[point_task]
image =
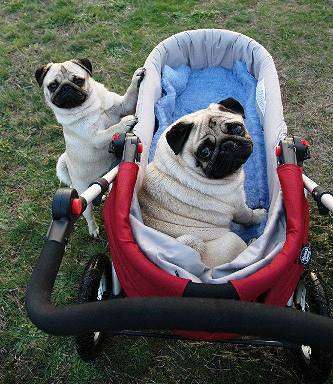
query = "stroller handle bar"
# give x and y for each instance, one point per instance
(166, 313)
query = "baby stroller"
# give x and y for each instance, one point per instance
(272, 298)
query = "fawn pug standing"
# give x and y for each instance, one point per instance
(90, 115)
(194, 187)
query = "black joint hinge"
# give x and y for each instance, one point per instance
(63, 218)
(62, 203)
(103, 183)
(302, 149)
(117, 145)
(292, 150)
(317, 194)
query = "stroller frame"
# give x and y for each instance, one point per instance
(153, 313)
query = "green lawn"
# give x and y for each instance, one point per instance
(117, 36)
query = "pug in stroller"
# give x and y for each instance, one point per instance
(194, 187)
(90, 116)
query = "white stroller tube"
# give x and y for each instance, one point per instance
(326, 199)
(93, 191)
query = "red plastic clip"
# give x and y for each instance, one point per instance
(140, 148)
(76, 207)
(115, 137)
(278, 151)
(305, 142)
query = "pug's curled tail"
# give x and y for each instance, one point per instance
(62, 170)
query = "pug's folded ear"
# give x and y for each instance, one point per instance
(231, 105)
(85, 64)
(41, 73)
(178, 134)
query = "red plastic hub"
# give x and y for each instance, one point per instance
(140, 148)
(305, 142)
(278, 151)
(115, 137)
(76, 207)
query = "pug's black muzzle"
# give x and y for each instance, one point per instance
(68, 95)
(228, 158)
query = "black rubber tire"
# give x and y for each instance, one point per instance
(316, 368)
(87, 346)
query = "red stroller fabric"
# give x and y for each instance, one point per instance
(137, 275)
(273, 284)
(279, 279)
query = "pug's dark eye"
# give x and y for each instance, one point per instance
(78, 81)
(236, 129)
(205, 153)
(212, 123)
(53, 86)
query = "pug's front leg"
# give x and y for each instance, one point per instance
(193, 242)
(138, 76)
(103, 137)
(223, 250)
(81, 185)
(92, 225)
(127, 104)
(247, 216)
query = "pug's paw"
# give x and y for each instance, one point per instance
(193, 242)
(258, 215)
(138, 76)
(129, 122)
(93, 230)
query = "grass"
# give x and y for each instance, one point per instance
(117, 36)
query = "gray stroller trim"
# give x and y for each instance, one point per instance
(201, 49)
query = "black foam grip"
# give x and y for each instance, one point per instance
(43, 277)
(167, 313)
(103, 183)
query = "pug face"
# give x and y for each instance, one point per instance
(214, 142)
(66, 85)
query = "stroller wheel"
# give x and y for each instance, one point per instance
(310, 295)
(96, 285)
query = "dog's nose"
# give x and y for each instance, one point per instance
(66, 88)
(69, 97)
(229, 146)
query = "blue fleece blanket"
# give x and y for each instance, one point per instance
(187, 90)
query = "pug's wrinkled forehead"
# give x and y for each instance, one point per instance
(216, 120)
(218, 110)
(65, 71)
